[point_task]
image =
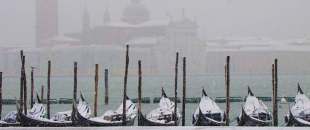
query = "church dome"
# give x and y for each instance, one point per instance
(135, 13)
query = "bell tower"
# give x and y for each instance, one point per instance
(46, 21)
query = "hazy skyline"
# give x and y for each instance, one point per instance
(277, 19)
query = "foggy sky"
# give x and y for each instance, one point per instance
(277, 19)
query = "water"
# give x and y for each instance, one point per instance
(214, 85)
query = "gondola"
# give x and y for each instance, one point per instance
(208, 113)
(37, 116)
(254, 112)
(10, 119)
(299, 113)
(109, 118)
(163, 115)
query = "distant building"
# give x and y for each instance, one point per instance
(134, 23)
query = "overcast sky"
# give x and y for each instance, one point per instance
(277, 19)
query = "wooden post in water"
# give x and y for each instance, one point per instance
(273, 98)
(74, 86)
(125, 85)
(139, 92)
(75, 81)
(275, 94)
(21, 90)
(0, 94)
(48, 88)
(176, 89)
(106, 86)
(227, 90)
(24, 84)
(42, 92)
(32, 89)
(96, 89)
(184, 91)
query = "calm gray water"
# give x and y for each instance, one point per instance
(214, 85)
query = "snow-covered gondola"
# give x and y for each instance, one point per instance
(10, 120)
(254, 112)
(109, 118)
(163, 115)
(208, 113)
(37, 116)
(299, 113)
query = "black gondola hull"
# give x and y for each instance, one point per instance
(82, 121)
(145, 122)
(246, 120)
(292, 121)
(201, 120)
(5, 124)
(31, 122)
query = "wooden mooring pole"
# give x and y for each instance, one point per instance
(106, 86)
(24, 85)
(184, 91)
(0, 94)
(275, 94)
(42, 92)
(75, 81)
(176, 89)
(125, 86)
(96, 89)
(227, 83)
(48, 89)
(21, 90)
(32, 88)
(139, 92)
(74, 88)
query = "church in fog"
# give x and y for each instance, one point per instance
(134, 24)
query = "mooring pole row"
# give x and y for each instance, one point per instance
(23, 88)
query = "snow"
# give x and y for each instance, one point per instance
(207, 105)
(253, 106)
(130, 113)
(10, 117)
(37, 111)
(301, 106)
(166, 107)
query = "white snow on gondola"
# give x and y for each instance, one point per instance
(253, 106)
(84, 109)
(37, 111)
(299, 113)
(10, 117)
(207, 105)
(107, 117)
(301, 106)
(62, 116)
(166, 107)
